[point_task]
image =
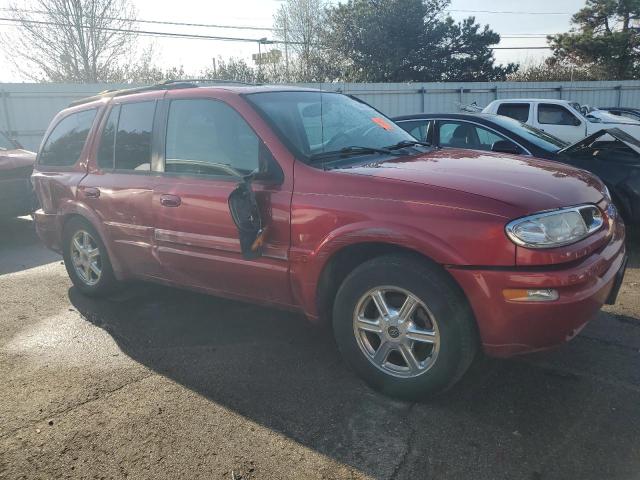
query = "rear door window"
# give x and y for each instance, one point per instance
(467, 135)
(550, 114)
(208, 137)
(133, 136)
(517, 111)
(65, 143)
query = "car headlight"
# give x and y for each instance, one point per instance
(555, 228)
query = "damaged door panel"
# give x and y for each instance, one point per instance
(231, 221)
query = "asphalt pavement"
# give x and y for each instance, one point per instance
(159, 383)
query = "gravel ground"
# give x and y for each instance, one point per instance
(159, 383)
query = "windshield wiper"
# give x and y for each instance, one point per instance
(407, 143)
(352, 150)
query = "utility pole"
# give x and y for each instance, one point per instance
(286, 48)
(286, 40)
(260, 42)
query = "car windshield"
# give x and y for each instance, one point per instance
(5, 143)
(593, 115)
(539, 138)
(315, 124)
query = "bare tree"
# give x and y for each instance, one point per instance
(70, 40)
(299, 24)
(144, 70)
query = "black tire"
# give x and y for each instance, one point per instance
(443, 299)
(106, 283)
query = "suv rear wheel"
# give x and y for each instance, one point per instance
(86, 259)
(404, 326)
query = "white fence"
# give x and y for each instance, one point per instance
(26, 109)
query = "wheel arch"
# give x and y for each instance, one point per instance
(346, 259)
(77, 210)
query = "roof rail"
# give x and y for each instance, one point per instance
(166, 85)
(208, 80)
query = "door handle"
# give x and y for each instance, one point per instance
(170, 200)
(91, 192)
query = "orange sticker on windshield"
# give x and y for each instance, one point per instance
(382, 122)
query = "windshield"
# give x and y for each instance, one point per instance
(539, 138)
(315, 123)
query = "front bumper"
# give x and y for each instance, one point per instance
(510, 327)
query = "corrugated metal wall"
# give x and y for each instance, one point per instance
(27, 109)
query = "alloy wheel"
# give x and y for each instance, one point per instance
(86, 257)
(396, 331)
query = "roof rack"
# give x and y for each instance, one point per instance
(166, 85)
(208, 80)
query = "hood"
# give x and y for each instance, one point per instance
(609, 118)
(529, 184)
(616, 133)
(15, 159)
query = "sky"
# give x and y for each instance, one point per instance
(542, 17)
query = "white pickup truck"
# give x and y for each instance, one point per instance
(566, 120)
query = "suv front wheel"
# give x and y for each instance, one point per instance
(404, 326)
(86, 258)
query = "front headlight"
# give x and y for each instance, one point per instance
(555, 228)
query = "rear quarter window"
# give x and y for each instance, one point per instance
(65, 142)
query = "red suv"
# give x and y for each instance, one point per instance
(316, 202)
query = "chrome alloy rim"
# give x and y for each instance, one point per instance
(396, 331)
(86, 258)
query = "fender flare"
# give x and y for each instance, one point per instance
(398, 235)
(307, 267)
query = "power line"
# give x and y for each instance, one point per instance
(519, 48)
(271, 29)
(158, 22)
(193, 36)
(128, 31)
(510, 12)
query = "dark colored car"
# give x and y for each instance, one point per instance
(632, 113)
(611, 154)
(315, 202)
(16, 193)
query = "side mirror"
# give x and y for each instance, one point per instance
(246, 215)
(505, 146)
(268, 170)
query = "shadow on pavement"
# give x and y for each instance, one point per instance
(507, 419)
(20, 246)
